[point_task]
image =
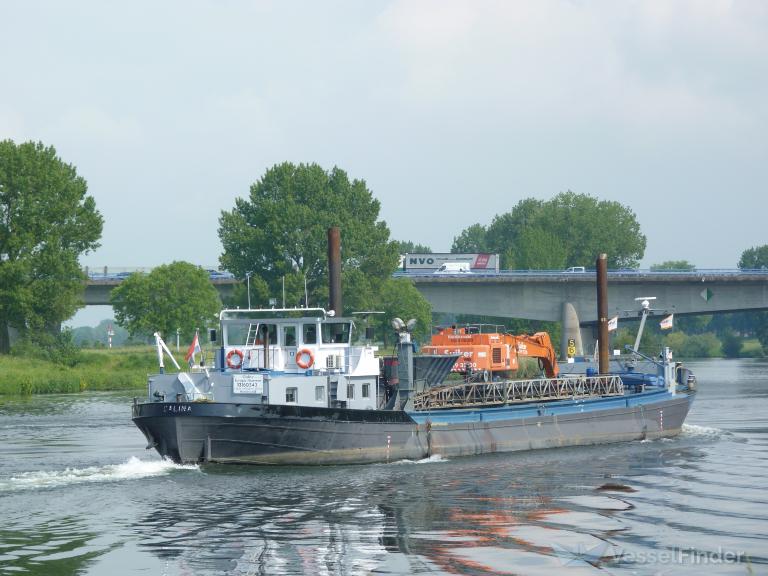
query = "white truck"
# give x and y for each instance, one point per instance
(454, 268)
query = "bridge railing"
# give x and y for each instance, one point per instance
(117, 273)
(734, 272)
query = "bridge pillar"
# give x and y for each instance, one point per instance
(570, 331)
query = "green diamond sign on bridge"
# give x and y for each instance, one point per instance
(706, 294)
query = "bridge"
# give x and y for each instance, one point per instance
(571, 298)
(567, 297)
(99, 284)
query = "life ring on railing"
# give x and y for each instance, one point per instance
(304, 358)
(235, 359)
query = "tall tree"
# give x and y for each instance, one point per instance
(46, 222)
(408, 247)
(398, 297)
(470, 241)
(281, 230)
(568, 230)
(174, 296)
(537, 248)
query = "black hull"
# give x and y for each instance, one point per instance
(254, 434)
(291, 435)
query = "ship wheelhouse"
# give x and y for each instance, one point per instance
(288, 341)
(286, 357)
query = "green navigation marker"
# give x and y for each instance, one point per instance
(706, 294)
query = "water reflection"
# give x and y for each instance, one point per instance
(584, 510)
(60, 547)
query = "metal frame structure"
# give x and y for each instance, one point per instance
(470, 394)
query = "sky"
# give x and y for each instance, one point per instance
(451, 112)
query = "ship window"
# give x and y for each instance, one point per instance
(350, 391)
(235, 334)
(309, 334)
(289, 335)
(366, 390)
(336, 333)
(320, 393)
(257, 333)
(291, 395)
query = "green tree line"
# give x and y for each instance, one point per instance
(274, 239)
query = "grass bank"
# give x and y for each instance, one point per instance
(116, 369)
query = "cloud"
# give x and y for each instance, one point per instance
(556, 63)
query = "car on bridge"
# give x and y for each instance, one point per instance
(220, 275)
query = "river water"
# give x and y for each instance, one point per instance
(79, 494)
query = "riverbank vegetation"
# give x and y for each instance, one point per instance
(29, 371)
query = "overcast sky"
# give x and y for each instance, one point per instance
(450, 111)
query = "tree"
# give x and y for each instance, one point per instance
(568, 230)
(673, 265)
(398, 297)
(731, 345)
(537, 248)
(281, 230)
(176, 295)
(408, 247)
(754, 258)
(46, 222)
(97, 335)
(472, 240)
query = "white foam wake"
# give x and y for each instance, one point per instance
(130, 470)
(696, 430)
(430, 460)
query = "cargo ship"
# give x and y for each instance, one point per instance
(300, 386)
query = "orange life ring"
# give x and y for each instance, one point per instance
(239, 363)
(301, 362)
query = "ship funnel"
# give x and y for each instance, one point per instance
(334, 270)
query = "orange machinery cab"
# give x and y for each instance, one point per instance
(479, 351)
(492, 351)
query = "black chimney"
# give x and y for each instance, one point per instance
(334, 270)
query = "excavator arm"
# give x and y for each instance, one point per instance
(538, 346)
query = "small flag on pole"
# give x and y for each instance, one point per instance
(667, 322)
(194, 348)
(613, 323)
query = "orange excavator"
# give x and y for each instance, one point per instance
(492, 352)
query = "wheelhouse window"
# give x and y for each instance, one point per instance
(309, 334)
(249, 334)
(366, 390)
(260, 333)
(320, 393)
(336, 332)
(235, 334)
(291, 395)
(350, 391)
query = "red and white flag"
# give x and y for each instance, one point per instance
(667, 322)
(194, 348)
(613, 324)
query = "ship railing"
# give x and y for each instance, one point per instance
(470, 394)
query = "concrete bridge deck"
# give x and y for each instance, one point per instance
(540, 295)
(98, 289)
